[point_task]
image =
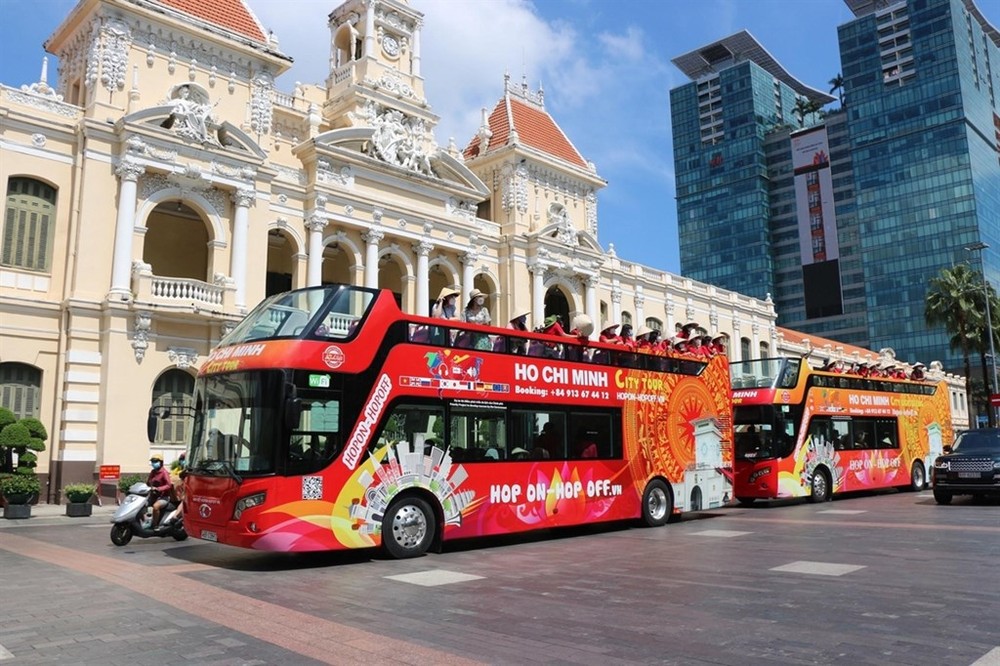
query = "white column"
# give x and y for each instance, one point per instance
(640, 300)
(755, 341)
(537, 294)
(314, 262)
(121, 270)
(616, 305)
(243, 198)
(369, 50)
(423, 248)
(415, 51)
(668, 320)
(372, 238)
(590, 291)
(469, 260)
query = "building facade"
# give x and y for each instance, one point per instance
(164, 184)
(846, 219)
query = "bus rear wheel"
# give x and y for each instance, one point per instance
(918, 479)
(657, 506)
(820, 486)
(408, 528)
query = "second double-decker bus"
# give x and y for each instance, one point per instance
(802, 432)
(328, 419)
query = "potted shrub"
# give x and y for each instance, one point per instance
(17, 491)
(126, 481)
(78, 499)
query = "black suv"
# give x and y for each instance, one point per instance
(971, 467)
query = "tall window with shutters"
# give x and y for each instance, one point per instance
(20, 389)
(174, 390)
(29, 225)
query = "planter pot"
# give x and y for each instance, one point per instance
(17, 511)
(79, 509)
(18, 498)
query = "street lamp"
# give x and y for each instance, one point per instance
(979, 247)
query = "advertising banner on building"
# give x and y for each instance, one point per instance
(814, 196)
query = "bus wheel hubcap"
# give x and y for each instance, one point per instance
(657, 504)
(409, 526)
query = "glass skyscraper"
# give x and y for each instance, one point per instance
(844, 221)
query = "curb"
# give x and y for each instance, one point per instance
(48, 515)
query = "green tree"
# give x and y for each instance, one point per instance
(951, 302)
(802, 108)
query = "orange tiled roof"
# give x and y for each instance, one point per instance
(535, 128)
(819, 343)
(233, 15)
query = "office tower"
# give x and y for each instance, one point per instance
(844, 220)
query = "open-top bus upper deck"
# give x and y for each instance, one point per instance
(326, 406)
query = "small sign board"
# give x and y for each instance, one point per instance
(108, 474)
(995, 399)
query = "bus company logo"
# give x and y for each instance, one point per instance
(204, 511)
(333, 356)
(371, 413)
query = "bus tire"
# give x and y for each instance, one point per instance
(657, 504)
(746, 501)
(918, 479)
(408, 527)
(820, 487)
(942, 496)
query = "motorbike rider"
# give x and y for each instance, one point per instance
(159, 481)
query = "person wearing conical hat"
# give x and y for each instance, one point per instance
(917, 373)
(445, 307)
(519, 322)
(608, 333)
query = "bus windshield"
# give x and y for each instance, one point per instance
(330, 312)
(237, 423)
(765, 431)
(765, 373)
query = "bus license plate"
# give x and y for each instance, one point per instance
(968, 475)
(209, 536)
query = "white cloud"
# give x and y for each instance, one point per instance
(627, 46)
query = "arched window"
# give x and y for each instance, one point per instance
(764, 349)
(29, 224)
(654, 323)
(20, 389)
(174, 390)
(626, 318)
(744, 349)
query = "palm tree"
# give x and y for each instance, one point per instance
(837, 86)
(802, 108)
(951, 302)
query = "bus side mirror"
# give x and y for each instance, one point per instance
(152, 419)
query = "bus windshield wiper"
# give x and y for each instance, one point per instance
(228, 469)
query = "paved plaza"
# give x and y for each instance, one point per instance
(877, 579)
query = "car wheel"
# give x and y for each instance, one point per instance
(820, 487)
(942, 496)
(918, 478)
(408, 528)
(656, 504)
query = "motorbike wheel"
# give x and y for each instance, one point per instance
(121, 534)
(179, 534)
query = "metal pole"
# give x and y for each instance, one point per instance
(980, 247)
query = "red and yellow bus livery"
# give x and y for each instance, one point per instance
(801, 432)
(328, 419)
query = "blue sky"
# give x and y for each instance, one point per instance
(604, 65)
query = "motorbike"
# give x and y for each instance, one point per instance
(132, 519)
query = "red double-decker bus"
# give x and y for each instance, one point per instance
(328, 419)
(802, 432)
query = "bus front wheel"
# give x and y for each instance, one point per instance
(408, 528)
(746, 501)
(656, 504)
(918, 479)
(820, 486)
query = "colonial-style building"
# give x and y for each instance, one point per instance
(164, 185)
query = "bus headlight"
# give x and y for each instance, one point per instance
(248, 502)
